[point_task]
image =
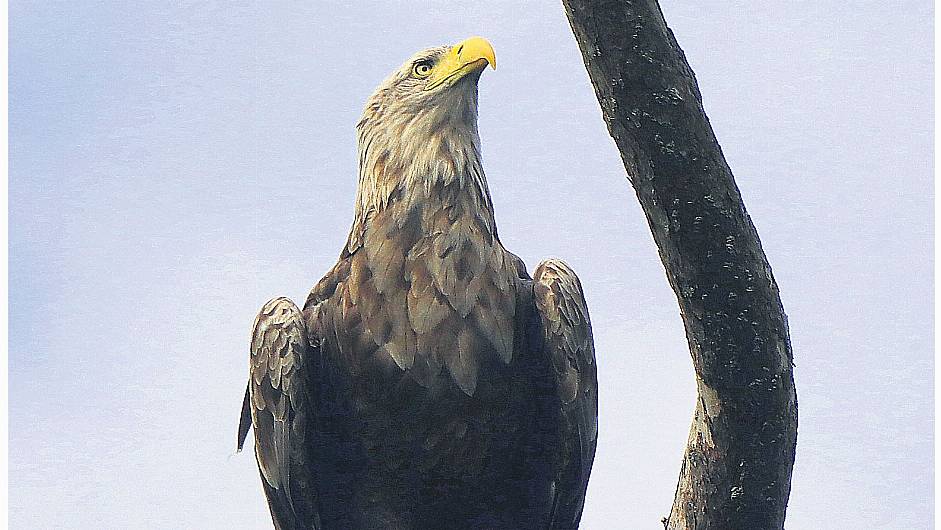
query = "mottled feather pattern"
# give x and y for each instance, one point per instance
(437, 286)
(278, 409)
(560, 301)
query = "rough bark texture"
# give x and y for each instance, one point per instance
(736, 472)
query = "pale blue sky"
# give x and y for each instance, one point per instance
(174, 165)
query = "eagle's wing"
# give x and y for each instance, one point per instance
(276, 405)
(568, 341)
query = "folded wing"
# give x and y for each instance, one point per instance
(568, 341)
(276, 406)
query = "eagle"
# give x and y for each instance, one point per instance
(428, 381)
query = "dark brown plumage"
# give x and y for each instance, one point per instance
(428, 380)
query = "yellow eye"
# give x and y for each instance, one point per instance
(422, 68)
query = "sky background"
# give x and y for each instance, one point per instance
(173, 165)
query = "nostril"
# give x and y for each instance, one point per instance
(459, 48)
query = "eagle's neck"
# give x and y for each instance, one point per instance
(424, 160)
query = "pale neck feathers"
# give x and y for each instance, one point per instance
(409, 144)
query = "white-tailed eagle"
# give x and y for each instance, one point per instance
(428, 382)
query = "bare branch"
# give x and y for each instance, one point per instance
(736, 472)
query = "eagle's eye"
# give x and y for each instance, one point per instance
(422, 68)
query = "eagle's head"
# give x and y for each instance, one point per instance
(420, 124)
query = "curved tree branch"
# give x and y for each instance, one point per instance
(736, 472)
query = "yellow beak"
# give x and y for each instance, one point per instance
(471, 55)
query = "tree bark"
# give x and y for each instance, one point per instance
(736, 472)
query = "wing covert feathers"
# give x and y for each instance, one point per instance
(276, 403)
(568, 340)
